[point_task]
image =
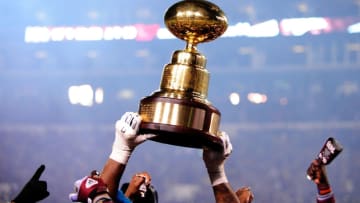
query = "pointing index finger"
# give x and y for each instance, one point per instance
(38, 172)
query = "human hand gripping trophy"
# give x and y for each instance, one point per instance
(179, 112)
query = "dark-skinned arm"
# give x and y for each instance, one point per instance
(126, 140)
(214, 161)
(111, 175)
(225, 194)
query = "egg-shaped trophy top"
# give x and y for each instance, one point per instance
(195, 21)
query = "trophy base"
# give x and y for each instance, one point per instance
(179, 136)
(181, 122)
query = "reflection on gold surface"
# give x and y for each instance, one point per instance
(179, 110)
(195, 21)
(175, 114)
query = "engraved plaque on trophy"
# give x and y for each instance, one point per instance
(179, 112)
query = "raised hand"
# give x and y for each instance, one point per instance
(215, 160)
(127, 137)
(34, 190)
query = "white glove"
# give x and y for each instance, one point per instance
(126, 137)
(215, 160)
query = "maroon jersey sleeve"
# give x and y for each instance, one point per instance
(327, 198)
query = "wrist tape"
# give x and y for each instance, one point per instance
(120, 156)
(217, 177)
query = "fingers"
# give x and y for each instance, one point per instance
(148, 136)
(95, 173)
(128, 124)
(131, 119)
(316, 172)
(42, 187)
(145, 177)
(138, 184)
(245, 194)
(308, 177)
(226, 143)
(311, 171)
(77, 183)
(73, 197)
(144, 137)
(38, 173)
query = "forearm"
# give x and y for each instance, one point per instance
(111, 175)
(225, 194)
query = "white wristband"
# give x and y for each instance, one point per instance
(218, 178)
(120, 156)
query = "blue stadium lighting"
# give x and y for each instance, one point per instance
(148, 32)
(354, 28)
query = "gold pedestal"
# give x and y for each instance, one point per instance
(179, 111)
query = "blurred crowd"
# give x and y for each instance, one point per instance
(262, 160)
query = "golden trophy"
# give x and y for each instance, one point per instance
(179, 112)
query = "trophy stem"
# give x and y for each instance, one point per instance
(190, 47)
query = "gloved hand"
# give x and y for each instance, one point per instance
(126, 137)
(317, 173)
(34, 190)
(90, 189)
(215, 160)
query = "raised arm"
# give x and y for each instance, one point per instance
(126, 140)
(214, 162)
(317, 173)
